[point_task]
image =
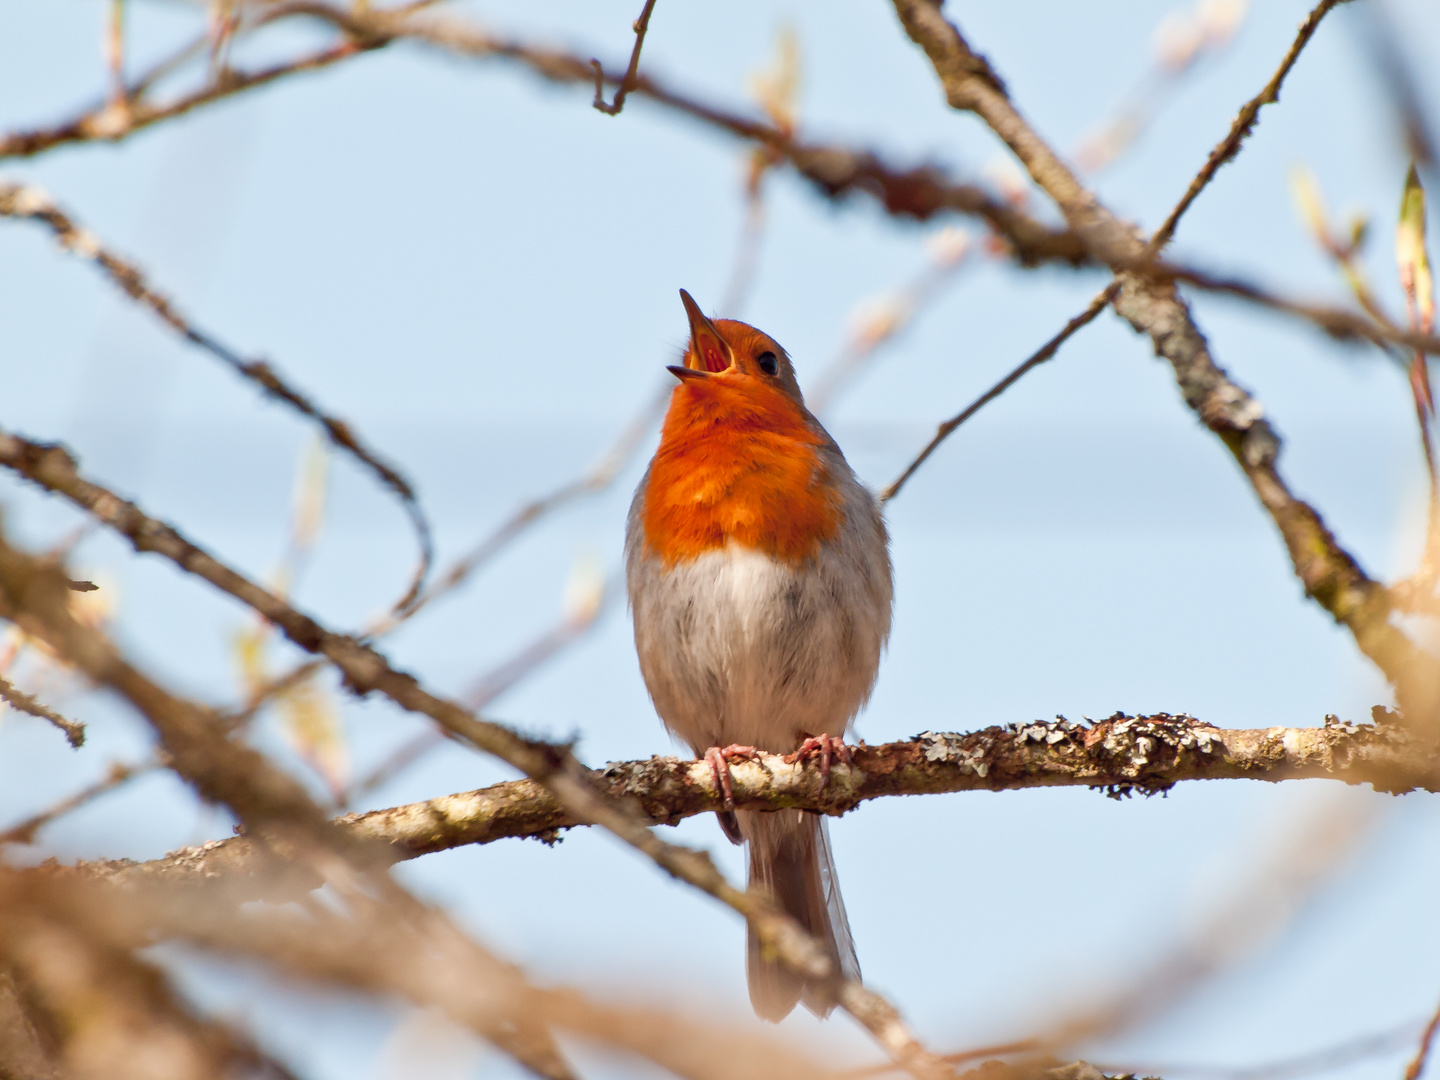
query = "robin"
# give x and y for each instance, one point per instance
(759, 577)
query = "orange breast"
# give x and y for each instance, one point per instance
(738, 463)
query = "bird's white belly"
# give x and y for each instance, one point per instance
(739, 647)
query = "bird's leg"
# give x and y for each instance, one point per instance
(719, 758)
(827, 746)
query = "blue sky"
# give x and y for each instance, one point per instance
(480, 272)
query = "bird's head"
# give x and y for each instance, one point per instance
(730, 360)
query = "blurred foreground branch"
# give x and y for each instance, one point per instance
(27, 202)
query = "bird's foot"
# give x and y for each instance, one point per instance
(827, 747)
(719, 758)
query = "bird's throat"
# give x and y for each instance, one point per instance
(748, 473)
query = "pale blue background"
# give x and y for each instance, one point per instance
(480, 272)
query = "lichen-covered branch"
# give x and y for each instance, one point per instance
(1119, 756)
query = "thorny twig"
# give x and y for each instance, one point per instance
(642, 24)
(27, 202)
(18, 699)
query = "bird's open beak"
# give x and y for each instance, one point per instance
(708, 351)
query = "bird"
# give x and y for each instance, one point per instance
(760, 585)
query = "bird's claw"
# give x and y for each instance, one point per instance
(719, 758)
(827, 746)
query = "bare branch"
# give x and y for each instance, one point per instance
(18, 699)
(1329, 573)
(364, 671)
(26, 202)
(921, 192)
(24, 832)
(107, 124)
(1044, 353)
(1120, 756)
(627, 83)
(1417, 1064)
(1340, 323)
(1244, 123)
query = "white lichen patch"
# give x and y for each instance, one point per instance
(951, 748)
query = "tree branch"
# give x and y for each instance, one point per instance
(1328, 572)
(1120, 756)
(836, 171)
(364, 670)
(28, 203)
(642, 24)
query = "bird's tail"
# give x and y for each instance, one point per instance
(790, 857)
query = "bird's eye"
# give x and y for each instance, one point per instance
(769, 362)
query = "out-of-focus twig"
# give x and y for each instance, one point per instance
(642, 24)
(1181, 39)
(599, 477)
(1328, 1059)
(105, 124)
(18, 699)
(271, 805)
(115, 51)
(1417, 1064)
(877, 323)
(24, 832)
(27, 202)
(581, 612)
(1412, 259)
(1295, 866)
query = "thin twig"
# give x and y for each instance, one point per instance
(835, 171)
(103, 124)
(1340, 323)
(1330, 574)
(30, 203)
(641, 25)
(24, 832)
(1044, 353)
(482, 693)
(1226, 149)
(18, 699)
(1223, 152)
